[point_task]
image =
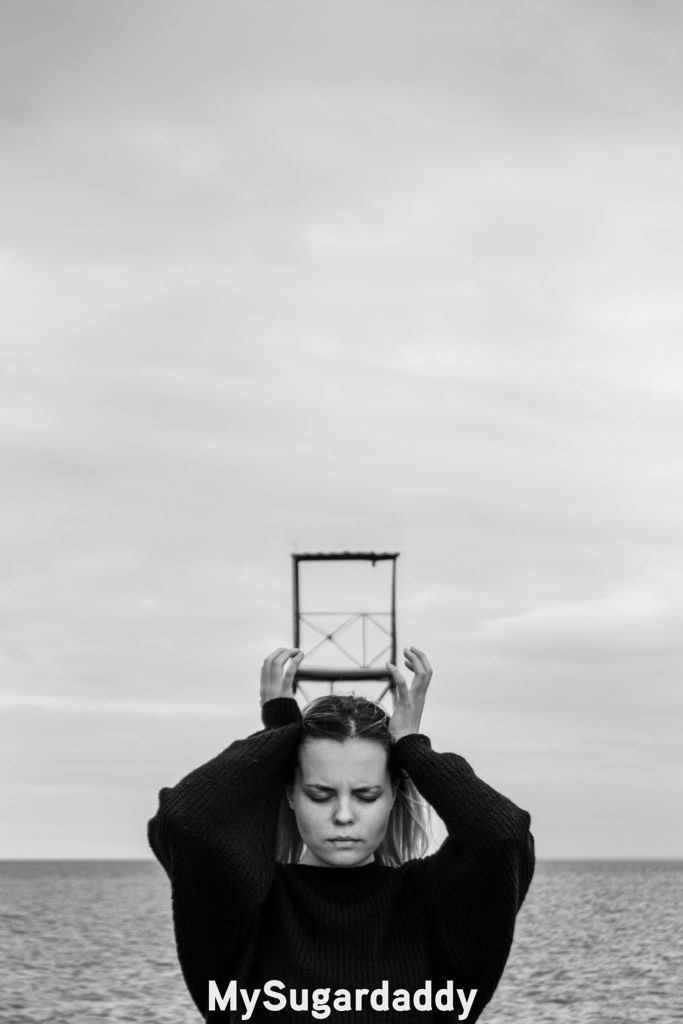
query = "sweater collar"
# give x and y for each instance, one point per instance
(335, 879)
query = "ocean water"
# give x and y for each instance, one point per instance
(598, 942)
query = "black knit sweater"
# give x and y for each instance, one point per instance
(238, 914)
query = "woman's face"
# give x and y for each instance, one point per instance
(342, 798)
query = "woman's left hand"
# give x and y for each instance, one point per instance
(410, 700)
(275, 680)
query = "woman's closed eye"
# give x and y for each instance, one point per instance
(321, 796)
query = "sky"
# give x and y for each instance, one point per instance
(313, 277)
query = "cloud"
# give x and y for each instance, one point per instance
(623, 625)
(108, 706)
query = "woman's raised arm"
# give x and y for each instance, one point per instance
(215, 834)
(476, 882)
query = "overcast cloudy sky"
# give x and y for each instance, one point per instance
(310, 275)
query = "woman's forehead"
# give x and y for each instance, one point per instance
(356, 761)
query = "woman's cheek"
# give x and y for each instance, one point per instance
(312, 819)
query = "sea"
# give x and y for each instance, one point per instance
(597, 942)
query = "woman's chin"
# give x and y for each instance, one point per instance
(338, 857)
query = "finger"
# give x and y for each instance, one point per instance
(284, 653)
(422, 659)
(411, 659)
(269, 659)
(413, 663)
(400, 685)
(267, 666)
(294, 663)
(280, 659)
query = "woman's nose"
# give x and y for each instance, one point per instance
(343, 813)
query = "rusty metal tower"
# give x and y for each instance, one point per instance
(368, 636)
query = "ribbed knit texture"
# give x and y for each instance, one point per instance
(240, 915)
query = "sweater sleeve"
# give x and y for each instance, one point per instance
(477, 880)
(215, 833)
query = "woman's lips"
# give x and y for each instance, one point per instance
(343, 840)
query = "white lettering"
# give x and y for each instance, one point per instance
(360, 992)
(270, 989)
(466, 1003)
(443, 1000)
(342, 999)
(379, 997)
(401, 1000)
(249, 1004)
(321, 997)
(215, 996)
(422, 1000)
(304, 999)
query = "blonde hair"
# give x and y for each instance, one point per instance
(344, 717)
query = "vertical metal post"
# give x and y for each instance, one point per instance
(393, 611)
(295, 600)
(363, 621)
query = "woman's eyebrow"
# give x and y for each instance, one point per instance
(330, 789)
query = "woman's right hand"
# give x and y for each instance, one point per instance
(409, 700)
(275, 681)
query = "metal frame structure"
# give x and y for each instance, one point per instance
(364, 670)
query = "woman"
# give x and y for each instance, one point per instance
(342, 927)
